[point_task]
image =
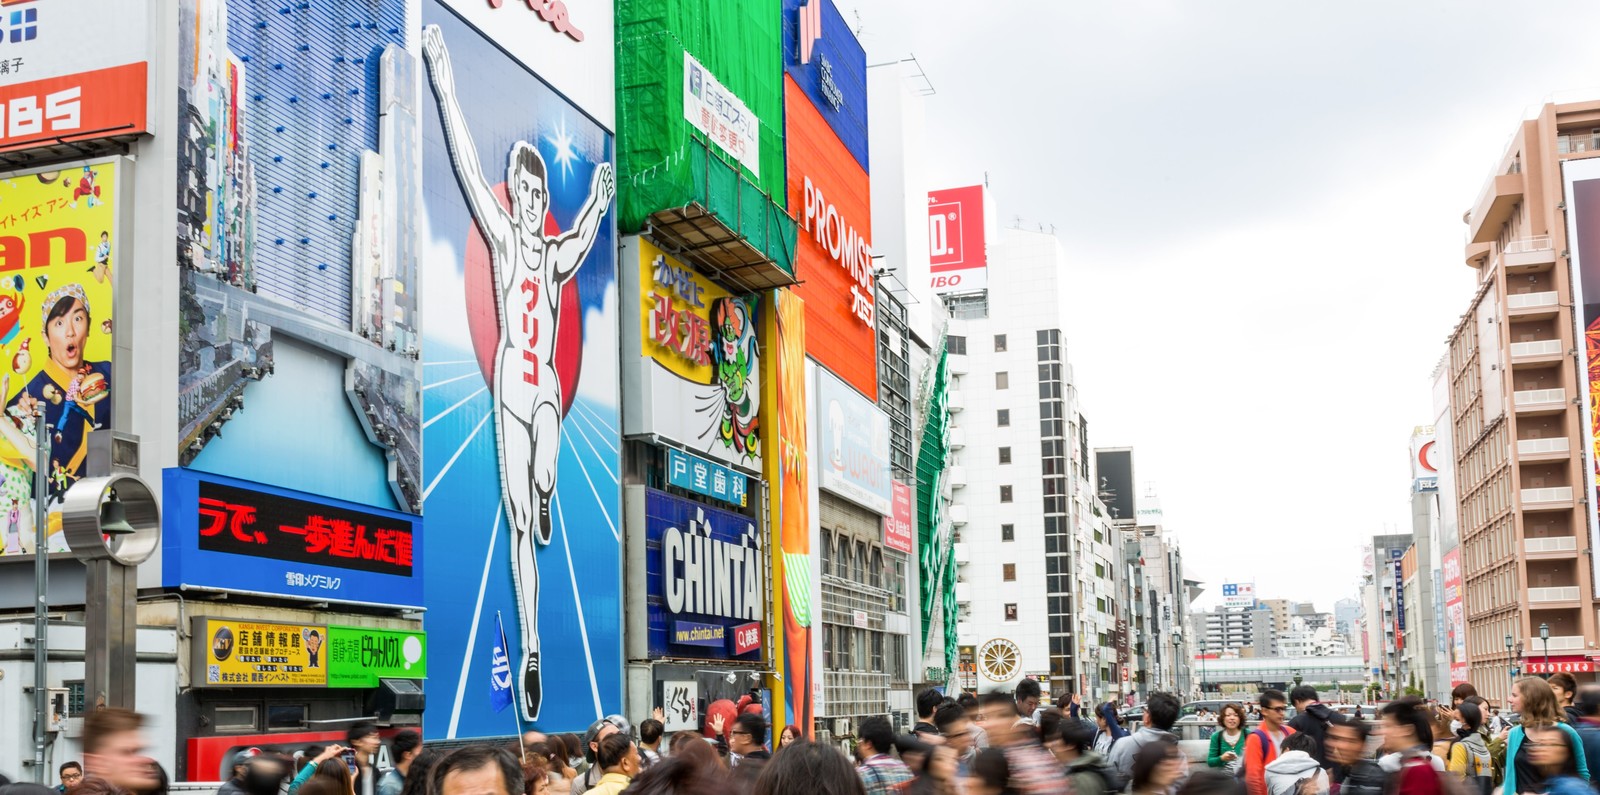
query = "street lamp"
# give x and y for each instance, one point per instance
(1177, 654)
(1544, 635)
(1202, 667)
(1511, 677)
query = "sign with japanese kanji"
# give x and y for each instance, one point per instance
(232, 535)
(360, 656)
(258, 654)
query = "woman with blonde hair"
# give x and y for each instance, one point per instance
(1533, 698)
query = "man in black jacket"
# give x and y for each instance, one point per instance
(928, 702)
(1311, 719)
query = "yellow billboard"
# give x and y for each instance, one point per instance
(58, 250)
(255, 653)
(675, 318)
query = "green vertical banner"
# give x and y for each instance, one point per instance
(360, 656)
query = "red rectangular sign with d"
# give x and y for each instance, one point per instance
(957, 244)
(897, 525)
(747, 637)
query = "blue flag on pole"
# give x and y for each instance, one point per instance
(500, 669)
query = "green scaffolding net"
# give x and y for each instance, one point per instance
(663, 161)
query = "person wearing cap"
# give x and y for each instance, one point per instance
(597, 731)
(235, 783)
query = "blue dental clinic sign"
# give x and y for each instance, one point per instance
(824, 58)
(706, 575)
(706, 478)
(233, 535)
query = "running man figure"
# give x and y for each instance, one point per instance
(530, 269)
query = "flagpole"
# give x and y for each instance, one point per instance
(516, 706)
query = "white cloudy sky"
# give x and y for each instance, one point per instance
(1262, 205)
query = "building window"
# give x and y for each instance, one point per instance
(1008, 572)
(1005, 494)
(1005, 455)
(1002, 380)
(1002, 418)
(1011, 611)
(999, 343)
(1008, 532)
(956, 344)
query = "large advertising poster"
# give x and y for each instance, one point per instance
(830, 197)
(854, 434)
(298, 187)
(706, 581)
(1424, 461)
(696, 378)
(58, 244)
(958, 254)
(1455, 617)
(520, 400)
(1583, 243)
(795, 591)
(73, 71)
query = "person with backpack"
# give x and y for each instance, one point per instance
(1227, 742)
(1160, 713)
(1296, 771)
(1261, 746)
(1311, 717)
(1086, 769)
(1407, 734)
(1468, 756)
(1533, 698)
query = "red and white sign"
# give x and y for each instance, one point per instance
(747, 637)
(1559, 665)
(76, 107)
(957, 244)
(897, 525)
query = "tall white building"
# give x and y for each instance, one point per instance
(1037, 563)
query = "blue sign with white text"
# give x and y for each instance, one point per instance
(824, 58)
(234, 535)
(706, 478)
(706, 581)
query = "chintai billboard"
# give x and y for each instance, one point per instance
(520, 395)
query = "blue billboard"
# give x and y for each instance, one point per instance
(234, 535)
(706, 581)
(520, 392)
(826, 60)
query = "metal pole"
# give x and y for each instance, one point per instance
(41, 569)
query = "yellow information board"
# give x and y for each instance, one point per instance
(257, 654)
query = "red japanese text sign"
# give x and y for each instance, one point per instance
(76, 107)
(260, 524)
(897, 525)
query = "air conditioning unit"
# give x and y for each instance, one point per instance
(841, 727)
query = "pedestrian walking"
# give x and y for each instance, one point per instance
(1311, 718)
(1467, 754)
(1565, 689)
(1109, 728)
(1160, 713)
(1261, 747)
(1588, 726)
(804, 768)
(1533, 698)
(1351, 773)
(1227, 742)
(403, 750)
(1295, 771)
(1549, 752)
(618, 762)
(1407, 736)
(1158, 767)
(880, 773)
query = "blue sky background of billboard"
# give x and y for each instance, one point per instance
(834, 77)
(266, 223)
(184, 563)
(580, 594)
(663, 512)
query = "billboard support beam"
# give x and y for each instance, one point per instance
(41, 571)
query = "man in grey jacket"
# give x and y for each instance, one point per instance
(1160, 713)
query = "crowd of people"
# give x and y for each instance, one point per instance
(994, 744)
